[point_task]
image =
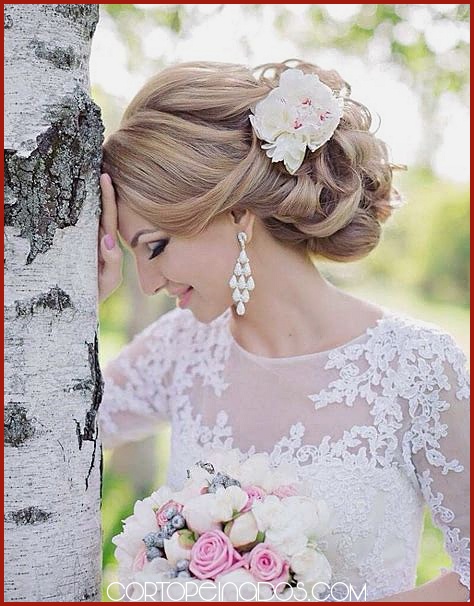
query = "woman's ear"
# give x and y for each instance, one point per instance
(243, 220)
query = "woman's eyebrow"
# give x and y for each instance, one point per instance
(139, 233)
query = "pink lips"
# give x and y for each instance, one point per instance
(184, 298)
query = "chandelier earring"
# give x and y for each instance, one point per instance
(242, 282)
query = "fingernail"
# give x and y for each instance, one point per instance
(109, 242)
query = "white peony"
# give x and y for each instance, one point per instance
(243, 530)
(242, 586)
(143, 584)
(135, 527)
(225, 460)
(200, 515)
(229, 501)
(313, 514)
(290, 523)
(301, 112)
(310, 567)
(257, 470)
(267, 511)
(175, 551)
(208, 511)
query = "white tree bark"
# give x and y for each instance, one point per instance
(53, 384)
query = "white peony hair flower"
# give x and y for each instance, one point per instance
(301, 112)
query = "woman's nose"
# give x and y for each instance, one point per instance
(151, 280)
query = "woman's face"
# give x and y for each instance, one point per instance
(204, 262)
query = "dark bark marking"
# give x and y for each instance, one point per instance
(46, 191)
(17, 427)
(83, 15)
(28, 515)
(7, 21)
(96, 384)
(56, 299)
(61, 57)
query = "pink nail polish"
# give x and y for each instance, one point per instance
(109, 242)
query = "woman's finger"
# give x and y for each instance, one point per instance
(109, 206)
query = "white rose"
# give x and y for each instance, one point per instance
(243, 530)
(311, 566)
(175, 551)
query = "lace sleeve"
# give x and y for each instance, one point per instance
(135, 397)
(436, 441)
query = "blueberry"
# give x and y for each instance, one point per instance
(178, 521)
(160, 542)
(152, 553)
(171, 512)
(151, 539)
(182, 565)
(219, 478)
(183, 574)
(231, 482)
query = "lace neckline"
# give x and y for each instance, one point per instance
(387, 314)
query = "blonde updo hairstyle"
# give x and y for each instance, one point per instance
(185, 152)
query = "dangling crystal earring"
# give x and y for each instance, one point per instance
(238, 282)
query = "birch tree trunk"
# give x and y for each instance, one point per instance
(53, 384)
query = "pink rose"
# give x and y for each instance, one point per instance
(212, 554)
(254, 493)
(267, 565)
(285, 490)
(161, 518)
(140, 560)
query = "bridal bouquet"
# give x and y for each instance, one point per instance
(236, 530)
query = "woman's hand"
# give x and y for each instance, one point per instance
(109, 253)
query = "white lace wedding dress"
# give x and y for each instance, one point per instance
(378, 427)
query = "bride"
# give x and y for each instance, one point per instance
(227, 184)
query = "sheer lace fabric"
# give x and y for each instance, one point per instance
(379, 427)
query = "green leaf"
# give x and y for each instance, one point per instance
(186, 538)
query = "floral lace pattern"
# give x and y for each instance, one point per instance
(408, 376)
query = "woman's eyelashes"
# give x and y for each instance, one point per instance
(158, 248)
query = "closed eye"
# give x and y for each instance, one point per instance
(160, 246)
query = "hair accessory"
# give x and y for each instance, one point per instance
(301, 112)
(241, 281)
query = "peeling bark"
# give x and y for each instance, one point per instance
(17, 427)
(46, 190)
(53, 383)
(28, 516)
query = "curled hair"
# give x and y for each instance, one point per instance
(185, 153)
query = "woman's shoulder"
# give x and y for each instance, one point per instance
(412, 330)
(420, 346)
